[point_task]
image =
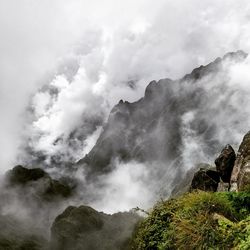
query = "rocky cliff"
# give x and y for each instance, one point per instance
(154, 128)
(240, 179)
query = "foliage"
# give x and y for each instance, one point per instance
(240, 202)
(197, 220)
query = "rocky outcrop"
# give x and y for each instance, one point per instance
(206, 180)
(36, 179)
(225, 163)
(83, 228)
(210, 179)
(232, 172)
(240, 179)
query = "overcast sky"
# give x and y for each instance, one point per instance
(89, 50)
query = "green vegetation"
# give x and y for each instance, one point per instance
(197, 220)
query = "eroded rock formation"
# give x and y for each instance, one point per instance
(225, 163)
(151, 129)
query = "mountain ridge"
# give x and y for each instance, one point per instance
(130, 127)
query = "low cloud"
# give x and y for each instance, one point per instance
(64, 72)
(109, 62)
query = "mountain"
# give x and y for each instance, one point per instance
(176, 127)
(176, 124)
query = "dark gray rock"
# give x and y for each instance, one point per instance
(240, 178)
(225, 163)
(206, 180)
(22, 175)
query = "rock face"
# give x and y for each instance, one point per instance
(240, 179)
(151, 129)
(39, 181)
(206, 180)
(225, 163)
(83, 228)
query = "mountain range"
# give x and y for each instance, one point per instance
(176, 127)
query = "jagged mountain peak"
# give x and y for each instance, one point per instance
(153, 128)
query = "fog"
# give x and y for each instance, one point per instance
(99, 47)
(64, 65)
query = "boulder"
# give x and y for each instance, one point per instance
(206, 180)
(225, 163)
(240, 178)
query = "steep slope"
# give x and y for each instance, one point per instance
(158, 126)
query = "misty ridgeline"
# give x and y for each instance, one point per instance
(161, 147)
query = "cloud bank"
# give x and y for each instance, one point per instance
(64, 65)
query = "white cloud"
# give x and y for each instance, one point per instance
(88, 51)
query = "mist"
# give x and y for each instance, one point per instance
(214, 113)
(114, 55)
(65, 65)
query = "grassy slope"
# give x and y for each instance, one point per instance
(197, 220)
